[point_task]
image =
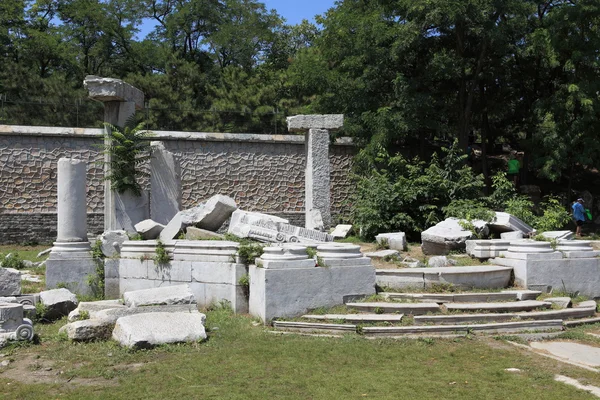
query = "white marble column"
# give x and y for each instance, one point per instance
(72, 207)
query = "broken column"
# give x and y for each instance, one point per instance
(70, 261)
(121, 211)
(317, 178)
(165, 184)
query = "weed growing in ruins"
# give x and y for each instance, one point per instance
(311, 251)
(249, 251)
(12, 260)
(128, 148)
(135, 236)
(162, 256)
(383, 244)
(96, 281)
(84, 315)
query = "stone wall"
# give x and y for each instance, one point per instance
(262, 172)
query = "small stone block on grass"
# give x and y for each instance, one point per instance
(58, 302)
(560, 302)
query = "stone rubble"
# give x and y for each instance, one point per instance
(441, 261)
(10, 282)
(448, 236)
(149, 229)
(58, 303)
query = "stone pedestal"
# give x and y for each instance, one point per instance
(120, 102)
(317, 176)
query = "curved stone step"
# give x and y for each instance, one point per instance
(512, 306)
(503, 327)
(452, 297)
(569, 313)
(313, 327)
(480, 277)
(357, 318)
(403, 308)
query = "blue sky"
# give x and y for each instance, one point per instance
(294, 11)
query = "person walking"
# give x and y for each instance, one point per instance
(578, 215)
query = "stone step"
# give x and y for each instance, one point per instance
(480, 277)
(503, 327)
(513, 306)
(401, 308)
(314, 327)
(357, 318)
(570, 313)
(572, 324)
(452, 297)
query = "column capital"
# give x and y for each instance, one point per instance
(302, 123)
(110, 89)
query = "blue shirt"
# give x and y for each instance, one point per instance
(578, 212)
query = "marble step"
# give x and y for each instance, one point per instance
(502, 327)
(526, 305)
(464, 297)
(357, 318)
(569, 313)
(314, 327)
(572, 324)
(400, 308)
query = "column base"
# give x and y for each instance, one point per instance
(70, 265)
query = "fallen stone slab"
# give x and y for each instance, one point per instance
(113, 314)
(441, 262)
(89, 329)
(180, 294)
(383, 254)
(112, 242)
(193, 233)
(341, 231)
(526, 305)
(148, 330)
(10, 282)
(91, 306)
(560, 302)
(403, 308)
(573, 352)
(149, 229)
(57, 303)
(394, 240)
(447, 236)
(216, 211)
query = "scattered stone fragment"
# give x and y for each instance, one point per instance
(411, 262)
(58, 303)
(341, 231)
(44, 253)
(383, 254)
(5, 363)
(394, 240)
(147, 330)
(89, 329)
(441, 261)
(216, 211)
(149, 229)
(168, 295)
(512, 370)
(448, 235)
(112, 242)
(10, 282)
(193, 233)
(560, 302)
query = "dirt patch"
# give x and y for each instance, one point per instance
(30, 369)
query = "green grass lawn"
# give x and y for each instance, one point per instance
(242, 361)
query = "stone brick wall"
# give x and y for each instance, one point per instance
(263, 173)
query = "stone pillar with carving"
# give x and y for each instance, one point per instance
(121, 211)
(318, 170)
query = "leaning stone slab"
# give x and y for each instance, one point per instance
(58, 302)
(505, 222)
(147, 330)
(193, 233)
(395, 240)
(89, 329)
(90, 306)
(10, 282)
(560, 302)
(341, 231)
(165, 184)
(301, 123)
(112, 242)
(148, 229)
(168, 295)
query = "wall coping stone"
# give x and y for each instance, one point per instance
(25, 130)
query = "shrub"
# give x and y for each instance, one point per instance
(554, 216)
(12, 260)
